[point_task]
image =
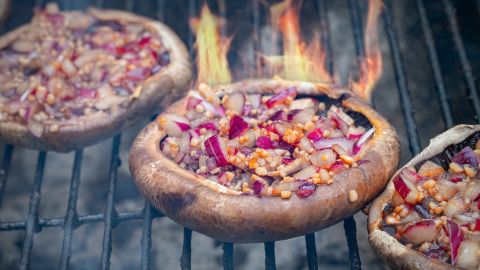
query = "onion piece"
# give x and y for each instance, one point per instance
(365, 136)
(192, 102)
(421, 232)
(466, 157)
(406, 189)
(287, 186)
(454, 206)
(257, 187)
(235, 102)
(329, 142)
(208, 126)
(255, 100)
(468, 254)
(411, 175)
(215, 148)
(173, 124)
(279, 115)
(305, 174)
(456, 237)
(315, 135)
(264, 142)
(302, 117)
(281, 97)
(306, 190)
(324, 158)
(238, 127)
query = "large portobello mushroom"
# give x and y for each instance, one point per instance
(264, 160)
(69, 79)
(431, 204)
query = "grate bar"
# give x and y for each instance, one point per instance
(467, 69)
(32, 219)
(228, 256)
(147, 237)
(350, 228)
(435, 63)
(7, 157)
(325, 34)
(311, 251)
(357, 25)
(270, 256)
(86, 219)
(110, 212)
(71, 216)
(186, 258)
(402, 85)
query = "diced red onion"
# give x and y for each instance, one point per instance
(235, 102)
(208, 126)
(421, 231)
(86, 92)
(324, 158)
(211, 164)
(192, 102)
(477, 224)
(279, 115)
(328, 142)
(222, 178)
(287, 160)
(410, 175)
(302, 117)
(183, 126)
(144, 41)
(305, 173)
(255, 100)
(306, 190)
(289, 186)
(264, 142)
(315, 135)
(238, 127)
(281, 97)
(466, 157)
(286, 146)
(214, 147)
(365, 136)
(456, 237)
(257, 187)
(138, 73)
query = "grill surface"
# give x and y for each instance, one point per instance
(413, 127)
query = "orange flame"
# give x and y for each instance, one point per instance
(371, 66)
(212, 49)
(299, 60)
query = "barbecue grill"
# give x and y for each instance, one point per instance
(435, 70)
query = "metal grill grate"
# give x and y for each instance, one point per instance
(111, 218)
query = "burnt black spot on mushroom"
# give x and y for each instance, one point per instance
(445, 157)
(174, 203)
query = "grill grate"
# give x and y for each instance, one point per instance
(111, 218)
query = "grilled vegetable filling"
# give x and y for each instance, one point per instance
(70, 64)
(264, 145)
(435, 207)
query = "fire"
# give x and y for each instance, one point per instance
(212, 49)
(299, 60)
(371, 65)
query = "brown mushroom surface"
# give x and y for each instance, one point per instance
(396, 254)
(158, 89)
(212, 209)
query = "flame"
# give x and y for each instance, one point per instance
(371, 66)
(212, 49)
(299, 60)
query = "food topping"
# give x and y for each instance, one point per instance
(264, 145)
(435, 210)
(70, 64)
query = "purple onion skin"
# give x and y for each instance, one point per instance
(466, 157)
(306, 190)
(213, 148)
(264, 142)
(279, 115)
(238, 127)
(257, 187)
